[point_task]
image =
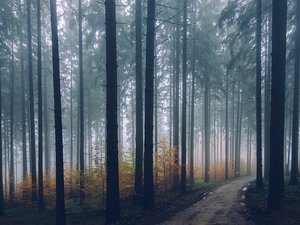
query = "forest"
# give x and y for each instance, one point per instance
(143, 112)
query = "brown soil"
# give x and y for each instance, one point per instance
(223, 206)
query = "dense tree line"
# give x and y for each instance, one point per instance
(150, 95)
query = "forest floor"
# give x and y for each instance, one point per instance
(232, 202)
(224, 206)
(257, 211)
(167, 205)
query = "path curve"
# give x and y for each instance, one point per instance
(223, 206)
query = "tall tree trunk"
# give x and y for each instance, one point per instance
(237, 134)
(276, 179)
(1, 150)
(71, 124)
(207, 127)
(232, 130)
(193, 113)
(259, 180)
(267, 99)
(295, 133)
(139, 103)
(31, 108)
(155, 119)
(176, 104)
(46, 130)
(112, 192)
(12, 154)
(184, 99)
(226, 128)
(60, 195)
(24, 144)
(81, 110)
(41, 203)
(89, 131)
(148, 156)
(249, 138)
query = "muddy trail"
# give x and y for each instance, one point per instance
(224, 206)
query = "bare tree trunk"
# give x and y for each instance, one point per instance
(31, 108)
(81, 110)
(176, 104)
(12, 154)
(1, 150)
(267, 99)
(295, 133)
(226, 128)
(112, 168)
(192, 150)
(149, 201)
(139, 103)
(276, 179)
(207, 127)
(184, 99)
(41, 203)
(259, 180)
(60, 195)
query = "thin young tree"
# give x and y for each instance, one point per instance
(41, 203)
(60, 195)
(259, 180)
(81, 110)
(139, 102)
(31, 107)
(112, 163)
(149, 201)
(276, 178)
(295, 132)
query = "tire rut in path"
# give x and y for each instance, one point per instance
(221, 207)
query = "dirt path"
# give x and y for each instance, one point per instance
(221, 207)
